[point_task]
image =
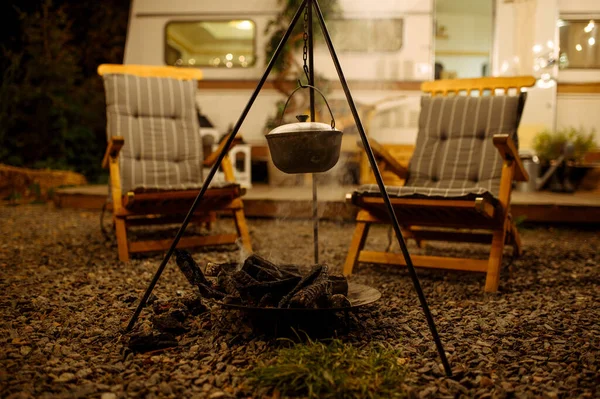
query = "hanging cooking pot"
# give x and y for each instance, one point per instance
(305, 147)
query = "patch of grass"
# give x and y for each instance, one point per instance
(332, 370)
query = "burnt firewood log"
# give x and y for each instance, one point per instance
(233, 285)
(262, 262)
(194, 304)
(189, 268)
(170, 322)
(323, 276)
(261, 269)
(312, 296)
(339, 301)
(290, 270)
(276, 288)
(242, 278)
(339, 284)
(209, 292)
(194, 275)
(266, 275)
(212, 269)
(314, 274)
(226, 283)
(148, 342)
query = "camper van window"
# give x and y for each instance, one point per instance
(366, 35)
(579, 44)
(220, 44)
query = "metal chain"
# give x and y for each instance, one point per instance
(305, 48)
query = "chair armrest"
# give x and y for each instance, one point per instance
(391, 163)
(509, 152)
(212, 157)
(113, 148)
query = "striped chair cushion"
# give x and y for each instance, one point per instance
(470, 193)
(455, 155)
(157, 117)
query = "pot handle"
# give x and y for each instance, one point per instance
(304, 86)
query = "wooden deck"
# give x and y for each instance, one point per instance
(295, 202)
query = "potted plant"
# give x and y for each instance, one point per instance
(549, 145)
(562, 151)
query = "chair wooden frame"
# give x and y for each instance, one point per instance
(164, 207)
(447, 219)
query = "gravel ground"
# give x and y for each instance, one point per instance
(65, 298)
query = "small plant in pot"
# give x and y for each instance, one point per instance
(549, 145)
(560, 152)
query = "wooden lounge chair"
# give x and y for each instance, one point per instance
(155, 157)
(459, 180)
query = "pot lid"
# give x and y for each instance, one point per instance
(302, 126)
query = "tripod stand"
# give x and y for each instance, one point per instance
(309, 5)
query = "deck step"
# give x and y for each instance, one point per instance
(295, 202)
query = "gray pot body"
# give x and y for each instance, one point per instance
(309, 151)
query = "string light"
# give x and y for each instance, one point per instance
(244, 25)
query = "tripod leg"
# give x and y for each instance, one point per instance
(383, 191)
(214, 169)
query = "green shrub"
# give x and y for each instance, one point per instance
(51, 99)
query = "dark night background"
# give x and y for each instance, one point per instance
(51, 99)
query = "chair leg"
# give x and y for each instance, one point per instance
(121, 232)
(357, 244)
(516, 240)
(242, 229)
(407, 233)
(410, 233)
(492, 279)
(212, 219)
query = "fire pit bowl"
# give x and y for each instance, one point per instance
(358, 294)
(279, 299)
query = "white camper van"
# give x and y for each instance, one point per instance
(386, 48)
